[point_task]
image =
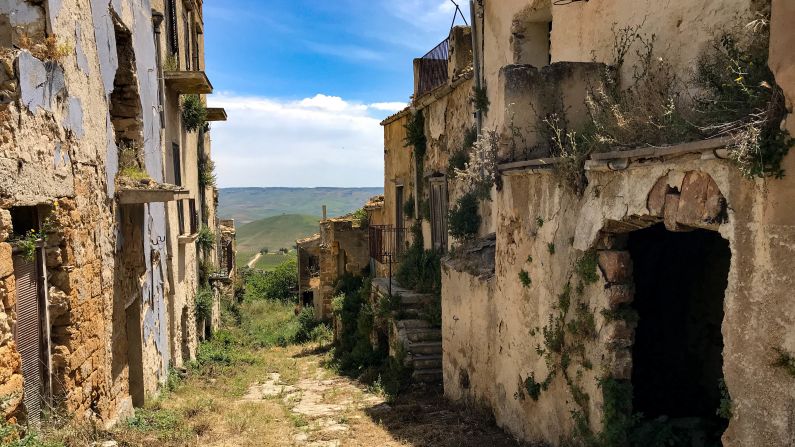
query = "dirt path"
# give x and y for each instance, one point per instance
(254, 260)
(329, 410)
(286, 397)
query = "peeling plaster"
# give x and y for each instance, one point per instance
(20, 12)
(106, 43)
(53, 9)
(74, 117)
(39, 82)
(111, 158)
(82, 60)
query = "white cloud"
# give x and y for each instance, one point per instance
(319, 141)
(389, 106)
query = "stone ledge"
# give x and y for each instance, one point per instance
(188, 82)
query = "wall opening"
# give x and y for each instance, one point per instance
(125, 101)
(308, 299)
(127, 348)
(185, 323)
(680, 280)
(531, 36)
(135, 352)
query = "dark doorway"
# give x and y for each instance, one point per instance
(680, 281)
(135, 353)
(308, 299)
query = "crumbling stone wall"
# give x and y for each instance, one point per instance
(486, 321)
(52, 151)
(493, 326)
(11, 382)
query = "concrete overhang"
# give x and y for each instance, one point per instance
(188, 238)
(188, 82)
(216, 114)
(128, 195)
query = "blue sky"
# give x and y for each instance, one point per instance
(306, 82)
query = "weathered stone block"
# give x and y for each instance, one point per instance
(54, 257)
(619, 364)
(612, 241)
(670, 211)
(700, 201)
(59, 306)
(6, 260)
(616, 266)
(5, 224)
(656, 201)
(618, 294)
(618, 334)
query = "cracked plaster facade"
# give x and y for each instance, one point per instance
(488, 316)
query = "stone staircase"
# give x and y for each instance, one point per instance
(421, 341)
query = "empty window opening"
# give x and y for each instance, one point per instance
(24, 219)
(125, 101)
(531, 36)
(308, 299)
(680, 281)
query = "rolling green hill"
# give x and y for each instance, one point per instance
(250, 204)
(272, 233)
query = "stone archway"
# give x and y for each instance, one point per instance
(666, 275)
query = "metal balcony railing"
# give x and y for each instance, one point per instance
(387, 243)
(432, 68)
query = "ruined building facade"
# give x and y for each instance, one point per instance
(653, 279)
(101, 202)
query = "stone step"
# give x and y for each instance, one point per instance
(427, 361)
(413, 323)
(427, 375)
(428, 348)
(421, 335)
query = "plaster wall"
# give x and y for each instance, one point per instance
(490, 327)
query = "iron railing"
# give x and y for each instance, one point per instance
(387, 243)
(432, 68)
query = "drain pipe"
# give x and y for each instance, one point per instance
(476, 59)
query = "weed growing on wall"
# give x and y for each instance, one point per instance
(194, 113)
(480, 172)
(408, 207)
(205, 240)
(204, 304)
(463, 219)
(207, 175)
(742, 99)
(480, 100)
(786, 361)
(524, 278)
(725, 408)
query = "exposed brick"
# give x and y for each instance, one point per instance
(616, 266)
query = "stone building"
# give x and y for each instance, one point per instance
(323, 259)
(95, 283)
(653, 278)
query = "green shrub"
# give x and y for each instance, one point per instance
(194, 113)
(588, 267)
(432, 312)
(204, 304)
(205, 239)
(420, 270)
(207, 175)
(279, 284)
(458, 161)
(415, 134)
(361, 216)
(463, 219)
(306, 324)
(524, 278)
(480, 99)
(15, 436)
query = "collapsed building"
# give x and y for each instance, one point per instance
(107, 202)
(610, 266)
(339, 248)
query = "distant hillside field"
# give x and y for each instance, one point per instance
(249, 204)
(272, 233)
